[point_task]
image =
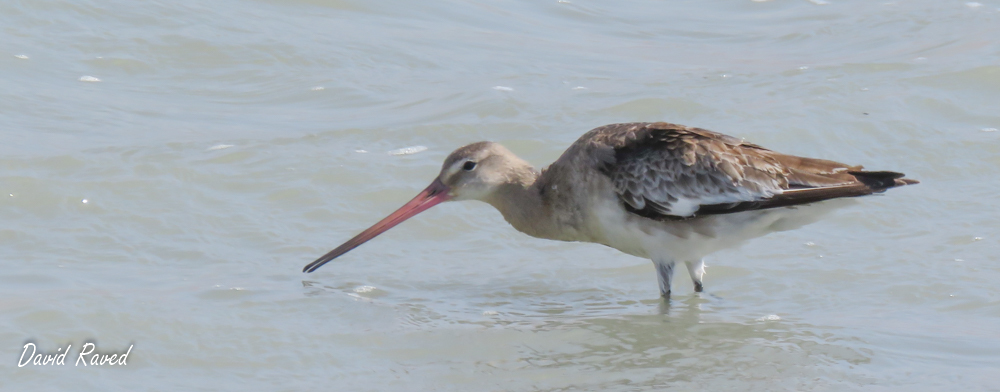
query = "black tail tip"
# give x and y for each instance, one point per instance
(882, 179)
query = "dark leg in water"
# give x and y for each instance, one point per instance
(697, 270)
(664, 273)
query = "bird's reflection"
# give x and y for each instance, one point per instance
(690, 304)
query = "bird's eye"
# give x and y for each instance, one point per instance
(468, 166)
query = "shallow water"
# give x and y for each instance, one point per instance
(168, 168)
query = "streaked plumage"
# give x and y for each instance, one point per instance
(656, 190)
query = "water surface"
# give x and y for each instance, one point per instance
(167, 168)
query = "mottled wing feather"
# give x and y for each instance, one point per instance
(669, 171)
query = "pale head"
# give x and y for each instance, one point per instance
(474, 172)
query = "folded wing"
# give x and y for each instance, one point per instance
(671, 172)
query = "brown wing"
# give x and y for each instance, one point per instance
(669, 171)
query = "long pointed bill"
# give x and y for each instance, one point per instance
(436, 193)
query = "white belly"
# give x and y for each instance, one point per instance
(691, 240)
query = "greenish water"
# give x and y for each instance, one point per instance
(167, 168)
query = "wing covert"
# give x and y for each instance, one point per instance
(672, 172)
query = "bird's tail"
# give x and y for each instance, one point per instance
(879, 181)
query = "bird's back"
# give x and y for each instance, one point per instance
(667, 171)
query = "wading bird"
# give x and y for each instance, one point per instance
(661, 191)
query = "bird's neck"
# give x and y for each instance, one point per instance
(522, 204)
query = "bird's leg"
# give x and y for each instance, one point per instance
(696, 269)
(665, 273)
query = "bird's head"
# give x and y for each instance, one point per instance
(476, 171)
